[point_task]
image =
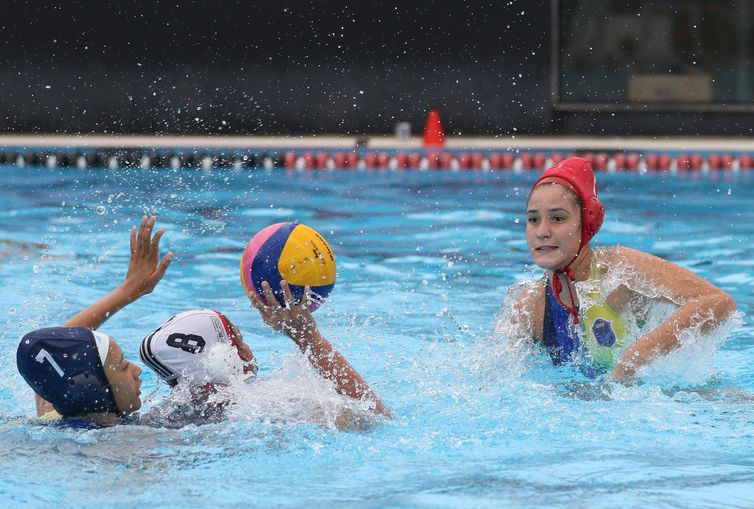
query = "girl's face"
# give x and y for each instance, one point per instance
(553, 226)
(124, 378)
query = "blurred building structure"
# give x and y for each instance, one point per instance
(492, 68)
(656, 66)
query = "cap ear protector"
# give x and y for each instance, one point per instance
(575, 173)
(64, 365)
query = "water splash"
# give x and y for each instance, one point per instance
(509, 351)
(296, 394)
(694, 362)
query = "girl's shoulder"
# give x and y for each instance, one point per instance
(530, 293)
(635, 261)
(528, 304)
(616, 254)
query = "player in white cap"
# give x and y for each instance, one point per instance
(202, 350)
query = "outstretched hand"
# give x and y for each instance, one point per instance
(144, 271)
(292, 318)
(623, 374)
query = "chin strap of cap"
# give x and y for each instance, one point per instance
(557, 287)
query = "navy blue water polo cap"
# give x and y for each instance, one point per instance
(64, 365)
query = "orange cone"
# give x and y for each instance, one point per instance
(433, 133)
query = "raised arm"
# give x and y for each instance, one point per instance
(143, 275)
(144, 272)
(702, 305)
(297, 322)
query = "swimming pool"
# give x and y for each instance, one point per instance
(477, 423)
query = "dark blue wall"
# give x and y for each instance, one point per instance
(280, 67)
(296, 67)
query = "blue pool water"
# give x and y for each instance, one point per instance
(424, 261)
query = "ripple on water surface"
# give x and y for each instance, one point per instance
(424, 262)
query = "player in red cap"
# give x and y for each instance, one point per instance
(584, 310)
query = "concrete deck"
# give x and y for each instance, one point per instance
(28, 141)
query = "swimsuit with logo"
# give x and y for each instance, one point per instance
(600, 335)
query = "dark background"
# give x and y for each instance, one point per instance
(295, 67)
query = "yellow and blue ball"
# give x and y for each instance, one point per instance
(293, 252)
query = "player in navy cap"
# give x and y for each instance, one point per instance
(77, 371)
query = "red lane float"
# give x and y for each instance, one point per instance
(339, 160)
(446, 160)
(323, 158)
(464, 160)
(556, 157)
(538, 160)
(714, 162)
(401, 161)
(495, 160)
(507, 161)
(633, 161)
(290, 160)
(370, 160)
(664, 162)
(476, 161)
(619, 162)
(745, 162)
(383, 160)
(600, 161)
(352, 160)
(526, 161)
(413, 160)
(653, 162)
(682, 162)
(697, 162)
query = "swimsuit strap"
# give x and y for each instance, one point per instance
(549, 334)
(558, 287)
(560, 339)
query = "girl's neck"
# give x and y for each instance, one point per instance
(581, 267)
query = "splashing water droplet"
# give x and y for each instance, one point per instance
(101, 210)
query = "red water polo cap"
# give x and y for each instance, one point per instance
(576, 174)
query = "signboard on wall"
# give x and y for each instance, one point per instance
(670, 88)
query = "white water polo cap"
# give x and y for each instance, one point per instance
(197, 347)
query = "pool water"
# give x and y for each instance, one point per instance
(424, 261)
